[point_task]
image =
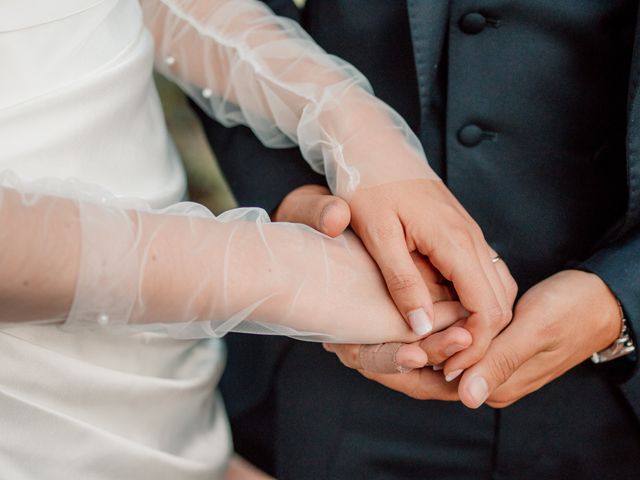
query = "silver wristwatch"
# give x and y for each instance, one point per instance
(621, 347)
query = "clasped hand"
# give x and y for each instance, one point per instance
(556, 324)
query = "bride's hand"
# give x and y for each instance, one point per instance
(313, 205)
(184, 271)
(327, 289)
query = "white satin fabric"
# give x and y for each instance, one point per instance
(91, 60)
(84, 404)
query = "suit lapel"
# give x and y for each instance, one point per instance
(428, 24)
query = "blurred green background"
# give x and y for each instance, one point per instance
(206, 183)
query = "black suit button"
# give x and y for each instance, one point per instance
(470, 135)
(473, 23)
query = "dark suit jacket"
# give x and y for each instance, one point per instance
(554, 179)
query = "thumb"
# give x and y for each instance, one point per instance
(314, 206)
(505, 356)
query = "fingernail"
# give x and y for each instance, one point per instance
(453, 375)
(420, 322)
(452, 349)
(437, 368)
(478, 389)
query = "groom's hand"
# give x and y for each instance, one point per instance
(397, 219)
(314, 206)
(557, 324)
(485, 288)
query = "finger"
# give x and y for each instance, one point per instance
(482, 333)
(314, 206)
(509, 283)
(426, 268)
(381, 358)
(433, 279)
(441, 293)
(485, 321)
(487, 257)
(447, 313)
(287, 205)
(487, 316)
(532, 375)
(440, 346)
(421, 384)
(399, 357)
(508, 351)
(387, 245)
(510, 289)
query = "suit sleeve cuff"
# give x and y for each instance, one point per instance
(618, 266)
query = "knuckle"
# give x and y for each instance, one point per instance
(462, 238)
(549, 334)
(349, 356)
(500, 315)
(476, 231)
(352, 356)
(507, 317)
(497, 314)
(402, 282)
(437, 357)
(381, 232)
(502, 364)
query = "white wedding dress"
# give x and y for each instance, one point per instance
(87, 405)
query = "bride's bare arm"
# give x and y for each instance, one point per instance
(75, 253)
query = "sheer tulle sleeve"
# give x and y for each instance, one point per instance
(75, 254)
(244, 65)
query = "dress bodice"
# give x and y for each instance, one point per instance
(77, 98)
